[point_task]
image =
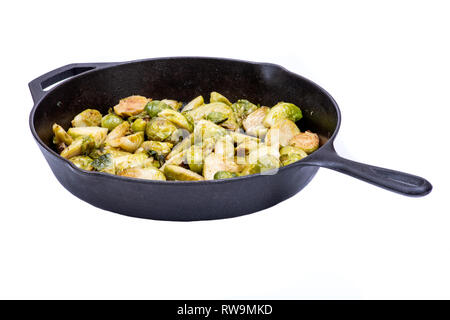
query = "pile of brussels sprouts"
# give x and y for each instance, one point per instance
(164, 140)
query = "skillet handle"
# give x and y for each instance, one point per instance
(396, 181)
(38, 85)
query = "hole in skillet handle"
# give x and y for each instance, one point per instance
(53, 81)
(41, 85)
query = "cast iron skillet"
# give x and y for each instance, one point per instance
(101, 85)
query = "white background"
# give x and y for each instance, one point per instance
(385, 62)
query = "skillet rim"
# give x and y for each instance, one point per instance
(112, 65)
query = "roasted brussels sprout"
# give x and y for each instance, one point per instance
(201, 112)
(177, 136)
(196, 138)
(242, 108)
(253, 123)
(177, 118)
(180, 147)
(307, 141)
(224, 147)
(176, 159)
(111, 120)
(261, 152)
(143, 173)
(206, 129)
(87, 118)
(159, 129)
(113, 138)
(214, 163)
(82, 162)
(175, 105)
(81, 145)
(224, 175)
(96, 133)
(131, 142)
(282, 110)
(217, 97)
(136, 160)
(239, 138)
(197, 102)
(246, 147)
(161, 148)
(104, 163)
(216, 117)
(138, 125)
(282, 132)
(290, 154)
(153, 108)
(194, 158)
(60, 135)
(250, 169)
(131, 106)
(179, 173)
(268, 162)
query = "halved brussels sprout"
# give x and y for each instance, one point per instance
(242, 108)
(177, 118)
(217, 97)
(175, 105)
(291, 158)
(82, 162)
(131, 142)
(136, 160)
(96, 133)
(195, 103)
(194, 158)
(87, 118)
(202, 111)
(104, 163)
(253, 123)
(113, 138)
(161, 148)
(81, 145)
(261, 152)
(214, 163)
(138, 125)
(205, 129)
(131, 106)
(224, 147)
(307, 141)
(239, 138)
(224, 175)
(176, 159)
(246, 147)
(115, 152)
(178, 135)
(290, 154)
(250, 169)
(110, 121)
(291, 149)
(216, 117)
(282, 110)
(183, 145)
(143, 173)
(159, 129)
(179, 173)
(268, 162)
(61, 136)
(154, 107)
(281, 133)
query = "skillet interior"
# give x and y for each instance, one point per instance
(183, 79)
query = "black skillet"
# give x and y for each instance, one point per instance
(101, 85)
